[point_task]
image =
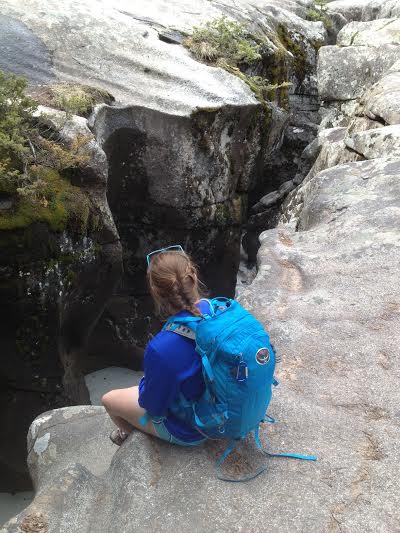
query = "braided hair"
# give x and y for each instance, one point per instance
(174, 284)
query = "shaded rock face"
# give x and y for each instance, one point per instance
(175, 180)
(54, 288)
(181, 179)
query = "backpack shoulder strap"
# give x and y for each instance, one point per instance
(181, 329)
(187, 325)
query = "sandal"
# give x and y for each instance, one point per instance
(117, 436)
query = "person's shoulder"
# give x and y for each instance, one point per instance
(161, 352)
(162, 344)
(156, 342)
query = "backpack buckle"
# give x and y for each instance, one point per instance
(242, 372)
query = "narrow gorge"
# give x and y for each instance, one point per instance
(264, 137)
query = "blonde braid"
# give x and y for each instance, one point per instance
(186, 283)
(174, 283)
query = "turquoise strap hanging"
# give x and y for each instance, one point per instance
(292, 455)
(232, 445)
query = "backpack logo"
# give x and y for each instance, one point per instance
(262, 356)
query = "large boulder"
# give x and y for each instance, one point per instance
(326, 293)
(376, 143)
(335, 322)
(83, 484)
(376, 33)
(365, 10)
(324, 288)
(382, 102)
(344, 73)
(366, 55)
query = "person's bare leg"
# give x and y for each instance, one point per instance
(124, 410)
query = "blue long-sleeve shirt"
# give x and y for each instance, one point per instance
(171, 366)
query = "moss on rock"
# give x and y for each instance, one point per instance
(33, 167)
(62, 204)
(262, 89)
(75, 99)
(294, 45)
(318, 13)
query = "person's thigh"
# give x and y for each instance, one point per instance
(124, 403)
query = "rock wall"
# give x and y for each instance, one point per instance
(55, 285)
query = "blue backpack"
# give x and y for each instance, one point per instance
(238, 363)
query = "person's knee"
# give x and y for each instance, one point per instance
(107, 399)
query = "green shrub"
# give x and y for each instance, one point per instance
(32, 166)
(319, 13)
(76, 99)
(224, 39)
(230, 45)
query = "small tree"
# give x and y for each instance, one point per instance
(16, 111)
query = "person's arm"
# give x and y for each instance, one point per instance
(158, 387)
